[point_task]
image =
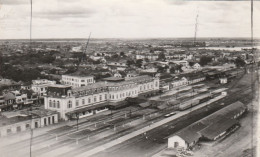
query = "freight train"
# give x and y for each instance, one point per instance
(194, 102)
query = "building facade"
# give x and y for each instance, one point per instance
(77, 81)
(95, 98)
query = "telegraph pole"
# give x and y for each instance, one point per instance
(31, 130)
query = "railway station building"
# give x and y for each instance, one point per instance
(97, 97)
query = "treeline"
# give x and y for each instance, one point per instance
(16, 74)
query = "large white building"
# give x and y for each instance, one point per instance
(96, 97)
(40, 86)
(77, 80)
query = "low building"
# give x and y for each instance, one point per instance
(223, 80)
(27, 120)
(196, 66)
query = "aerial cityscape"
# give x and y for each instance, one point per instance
(71, 93)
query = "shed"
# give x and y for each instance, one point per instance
(218, 129)
(187, 137)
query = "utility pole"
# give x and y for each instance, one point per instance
(77, 114)
(31, 131)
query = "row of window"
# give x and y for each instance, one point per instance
(95, 99)
(146, 87)
(54, 104)
(77, 80)
(121, 87)
(122, 95)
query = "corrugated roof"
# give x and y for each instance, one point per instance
(212, 125)
(217, 128)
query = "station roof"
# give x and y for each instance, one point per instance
(39, 113)
(87, 108)
(4, 121)
(114, 79)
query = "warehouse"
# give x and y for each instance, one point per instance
(218, 129)
(210, 128)
(187, 137)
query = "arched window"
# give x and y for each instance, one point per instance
(54, 103)
(58, 104)
(50, 103)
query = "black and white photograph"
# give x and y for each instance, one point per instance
(129, 78)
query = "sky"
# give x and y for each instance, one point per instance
(126, 19)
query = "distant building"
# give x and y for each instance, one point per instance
(40, 86)
(223, 80)
(77, 80)
(196, 66)
(151, 57)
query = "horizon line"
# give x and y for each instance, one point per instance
(130, 38)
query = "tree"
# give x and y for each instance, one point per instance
(115, 56)
(139, 63)
(176, 68)
(122, 54)
(191, 64)
(172, 70)
(161, 56)
(204, 60)
(130, 62)
(239, 62)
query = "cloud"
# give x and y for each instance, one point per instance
(127, 18)
(14, 2)
(64, 13)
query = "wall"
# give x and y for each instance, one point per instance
(178, 139)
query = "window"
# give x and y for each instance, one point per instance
(41, 89)
(100, 97)
(83, 101)
(69, 104)
(156, 84)
(58, 104)
(105, 96)
(50, 103)
(77, 102)
(95, 98)
(54, 104)
(89, 100)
